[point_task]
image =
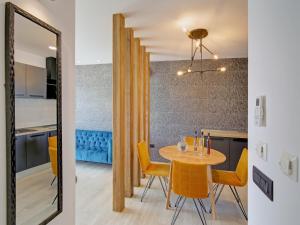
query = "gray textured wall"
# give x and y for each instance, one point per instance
(178, 104)
(94, 97)
(214, 100)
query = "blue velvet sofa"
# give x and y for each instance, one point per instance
(94, 146)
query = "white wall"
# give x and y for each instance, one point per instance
(274, 71)
(55, 14)
(29, 58)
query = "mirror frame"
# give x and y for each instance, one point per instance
(10, 10)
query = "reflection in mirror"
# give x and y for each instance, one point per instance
(35, 122)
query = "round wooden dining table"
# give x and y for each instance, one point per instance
(196, 157)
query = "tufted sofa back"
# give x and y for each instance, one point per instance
(95, 141)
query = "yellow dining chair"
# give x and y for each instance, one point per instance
(153, 169)
(52, 141)
(189, 181)
(233, 179)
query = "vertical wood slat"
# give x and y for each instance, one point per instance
(142, 94)
(118, 111)
(128, 112)
(135, 112)
(147, 97)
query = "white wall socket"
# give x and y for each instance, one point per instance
(289, 165)
(262, 151)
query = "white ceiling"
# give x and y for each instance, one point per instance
(159, 24)
(32, 38)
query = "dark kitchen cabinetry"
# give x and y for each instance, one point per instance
(36, 82)
(20, 80)
(236, 147)
(32, 150)
(30, 81)
(52, 133)
(37, 149)
(222, 145)
(21, 161)
(231, 147)
(51, 66)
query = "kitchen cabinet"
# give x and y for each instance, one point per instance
(21, 160)
(222, 145)
(20, 80)
(37, 149)
(30, 81)
(36, 82)
(236, 147)
(51, 66)
(52, 133)
(231, 147)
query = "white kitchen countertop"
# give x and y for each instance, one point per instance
(36, 130)
(225, 133)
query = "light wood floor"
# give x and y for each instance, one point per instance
(94, 203)
(34, 196)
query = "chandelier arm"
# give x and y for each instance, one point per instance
(193, 57)
(201, 52)
(208, 50)
(204, 71)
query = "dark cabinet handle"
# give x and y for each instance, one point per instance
(240, 140)
(51, 84)
(37, 135)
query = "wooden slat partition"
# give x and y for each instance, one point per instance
(129, 50)
(118, 111)
(142, 93)
(147, 98)
(135, 112)
(142, 96)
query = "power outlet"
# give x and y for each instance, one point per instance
(152, 145)
(262, 151)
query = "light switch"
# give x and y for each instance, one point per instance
(262, 150)
(263, 182)
(289, 165)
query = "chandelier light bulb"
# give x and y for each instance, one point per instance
(223, 69)
(216, 57)
(184, 29)
(189, 70)
(180, 72)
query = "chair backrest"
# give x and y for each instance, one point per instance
(53, 153)
(143, 154)
(52, 141)
(189, 140)
(189, 180)
(242, 167)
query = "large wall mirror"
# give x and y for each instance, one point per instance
(33, 115)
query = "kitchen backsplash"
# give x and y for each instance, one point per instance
(35, 112)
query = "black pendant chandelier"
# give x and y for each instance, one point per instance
(197, 37)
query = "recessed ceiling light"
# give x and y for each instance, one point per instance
(52, 48)
(98, 61)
